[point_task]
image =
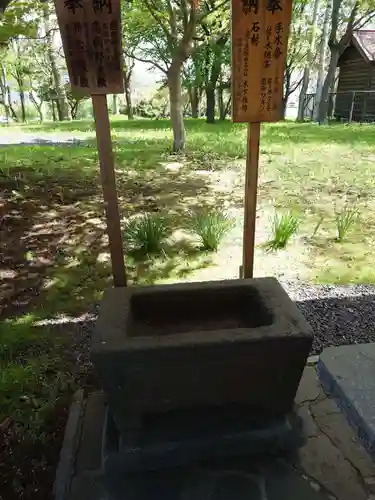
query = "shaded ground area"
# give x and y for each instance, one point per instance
(40, 366)
(54, 259)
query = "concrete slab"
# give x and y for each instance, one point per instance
(348, 374)
(272, 480)
(326, 464)
(330, 466)
(309, 387)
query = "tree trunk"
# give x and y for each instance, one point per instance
(220, 101)
(22, 101)
(322, 60)
(306, 71)
(176, 106)
(10, 105)
(74, 109)
(4, 91)
(61, 100)
(114, 104)
(128, 97)
(331, 98)
(210, 103)
(61, 103)
(329, 79)
(54, 117)
(8, 96)
(228, 105)
(194, 101)
(37, 106)
(212, 83)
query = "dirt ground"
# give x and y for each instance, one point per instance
(288, 264)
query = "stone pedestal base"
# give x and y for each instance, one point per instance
(175, 440)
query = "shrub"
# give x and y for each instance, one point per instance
(345, 220)
(147, 233)
(211, 227)
(283, 228)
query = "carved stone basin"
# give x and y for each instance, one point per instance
(194, 346)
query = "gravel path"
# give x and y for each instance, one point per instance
(337, 314)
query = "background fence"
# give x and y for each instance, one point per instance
(357, 105)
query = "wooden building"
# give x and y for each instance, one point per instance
(353, 100)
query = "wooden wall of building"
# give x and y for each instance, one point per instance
(356, 74)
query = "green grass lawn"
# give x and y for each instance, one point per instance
(314, 170)
(54, 240)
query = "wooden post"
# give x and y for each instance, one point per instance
(251, 187)
(103, 137)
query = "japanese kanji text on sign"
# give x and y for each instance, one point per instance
(91, 35)
(259, 44)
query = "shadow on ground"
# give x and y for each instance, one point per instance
(53, 243)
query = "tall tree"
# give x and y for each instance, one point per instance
(20, 68)
(214, 71)
(168, 31)
(193, 80)
(50, 36)
(131, 39)
(129, 64)
(297, 50)
(309, 60)
(5, 94)
(20, 19)
(216, 32)
(323, 47)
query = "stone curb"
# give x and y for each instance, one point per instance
(333, 388)
(65, 468)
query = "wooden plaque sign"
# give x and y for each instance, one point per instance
(91, 36)
(259, 44)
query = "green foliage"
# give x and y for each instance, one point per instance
(17, 334)
(74, 100)
(345, 220)
(147, 234)
(32, 378)
(19, 19)
(211, 226)
(152, 108)
(284, 226)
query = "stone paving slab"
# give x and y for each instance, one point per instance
(332, 465)
(348, 374)
(242, 480)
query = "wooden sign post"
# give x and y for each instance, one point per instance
(259, 44)
(91, 36)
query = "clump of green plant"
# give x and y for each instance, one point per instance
(345, 221)
(211, 226)
(147, 234)
(284, 226)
